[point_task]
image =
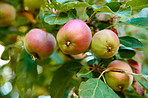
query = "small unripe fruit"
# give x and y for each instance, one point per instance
(136, 65)
(32, 5)
(39, 43)
(74, 37)
(103, 17)
(117, 80)
(7, 14)
(105, 43)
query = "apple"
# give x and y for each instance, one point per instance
(39, 43)
(7, 14)
(115, 79)
(105, 43)
(32, 5)
(74, 37)
(136, 65)
(103, 17)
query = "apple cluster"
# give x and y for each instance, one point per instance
(75, 37)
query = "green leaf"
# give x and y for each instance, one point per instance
(107, 10)
(67, 6)
(90, 1)
(131, 93)
(54, 4)
(53, 19)
(26, 73)
(55, 56)
(72, 13)
(125, 12)
(102, 26)
(85, 72)
(77, 4)
(142, 79)
(138, 4)
(61, 1)
(95, 88)
(90, 11)
(130, 42)
(126, 52)
(114, 6)
(49, 28)
(143, 22)
(62, 78)
(104, 9)
(72, 5)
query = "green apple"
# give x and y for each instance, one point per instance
(105, 43)
(117, 80)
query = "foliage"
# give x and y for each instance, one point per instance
(61, 75)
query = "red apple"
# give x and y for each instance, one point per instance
(105, 43)
(74, 37)
(7, 14)
(39, 43)
(117, 80)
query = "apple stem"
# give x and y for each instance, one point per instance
(36, 55)
(104, 78)
(121, 87)
(68, 43)
(102, 74)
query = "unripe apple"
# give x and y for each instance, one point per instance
(7, 14)
(39, 43)
(32, 5)
(103, 17)
(136, 65)
(74, 37)
(105, 43)
(117, 80)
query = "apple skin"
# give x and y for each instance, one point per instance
(7, 14)
(116, 80)
(136, 65)
(105, 43)
(39, 43)
(74, 37)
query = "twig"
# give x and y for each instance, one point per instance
(101, 74)
(111, 25)
(91, 16)
(104, 78)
